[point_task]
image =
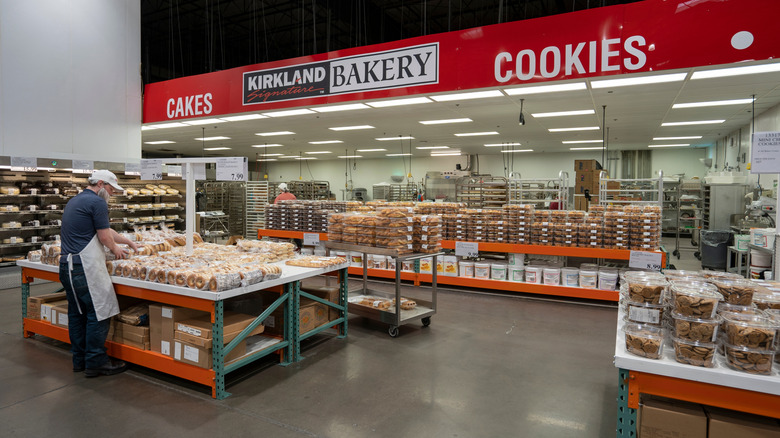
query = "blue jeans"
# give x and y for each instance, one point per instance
(87, 334)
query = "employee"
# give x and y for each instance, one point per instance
(91, 298)
(285, 194)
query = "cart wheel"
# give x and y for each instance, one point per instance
(676, 253)
(392, 331)
(697, 255)
(426, 321)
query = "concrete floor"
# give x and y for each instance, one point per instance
(488, 366)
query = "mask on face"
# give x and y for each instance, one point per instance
(103, 193)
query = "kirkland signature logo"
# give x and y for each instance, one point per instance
(418, 65)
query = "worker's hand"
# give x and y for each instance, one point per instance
(134, 246)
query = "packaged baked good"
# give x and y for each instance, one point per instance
(751, 331)
(749, 359)
(695, 329)
(644, 340)
(695, 299)
(645, 313)
(765, 299)
(736, 291)
(646, 289)
(697, 353)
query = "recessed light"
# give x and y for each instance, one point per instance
(289, 156)
(273, 145)
(491, 145)
(270, 155)
(159, 142)
(326, 142)
(432, 147)
(736, 71)
(203, 121)
(268, 134)
(444, 154)
(581, 128)
(642, 80)
(467, 96)
(517, 150)
(394, 138)
(546, 89)
(399, 102)
(693, 122)
(473, 134)
(444, 121)
(267, 159)
(582, 141)
(305, 158)
(334, 108)
(587, 149)
(221, 148)
(350, 156)
(398, 155)
(565, 113)
(212, 138)
(147, 128)
(678, 145)
(689, 137)
(351, 128)
(713, 103)
(287, 113)
(169, 125)
(371, 150)
(243, 117)
(318, 152)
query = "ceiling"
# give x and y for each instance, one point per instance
(634, 115)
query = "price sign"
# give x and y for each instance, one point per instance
(83, 166)
(232, 169)
(645, 260)
(311, 239)
(467, 249)
(198, 169)
(151, 170)
(24, 164)
(132, 168)
(174, 170)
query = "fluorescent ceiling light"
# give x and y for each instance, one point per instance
(678, 145)
(334, 108)
(491, 145)
(693, 122)
(399, 102)
(221, 148)
(212, 138)
(287, 113)
(444, 154)
(269, 155)
(581, 128)
(517, 150)
(587, 149)
(690, 137)
(169, 125)
(305, 158)
(272, 145)
(736, 71)
(582, 141)
(394, 138)
(243, 117)
(398, 155)
(289, 156)
(268, 134)
(159, 142)
(203, 121)
(545, 89)
(267, 159)
(472, 134)
(318, 152)
(713, 103)
(432, 147)
(147, 128)
(326, 142)
(371, 150)
(565, 113)
(350, 156)
(466, 96)
(443, 121)
(642, 80)
(351, 128)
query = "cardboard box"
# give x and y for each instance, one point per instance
(141, 346)
(312, 315)
(162, 320)
(201, 327)
(59, 315)
(46, 314)
(580, 165)
(34, 303)
(667, 418)
(202, 357)
(730, 424)
(328, 293)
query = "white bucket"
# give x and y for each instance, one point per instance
(450, 264)
(552, 276)
(498, 271)
(466, 269)
(407, 266)
(517, 273)
(588, 278)
(390, 263)
(760, 259)
(570, 277)
(608, 280)
(763, 237)
(426, 265)
(356, 259)
(378, 261)
(516, 259)
(741, 241)
(482, 270)
(756, 271)
(342, 254)
(533, 274)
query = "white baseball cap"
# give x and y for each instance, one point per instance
(105, 175)
(283, 186)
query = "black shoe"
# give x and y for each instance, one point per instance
(78, 369)
(110, 368)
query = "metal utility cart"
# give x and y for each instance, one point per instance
(631, 190)
(690, 196)
(256, 200)
(540, 191)
(394, 316)
(482, 191)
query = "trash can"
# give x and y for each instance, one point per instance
(714, 248)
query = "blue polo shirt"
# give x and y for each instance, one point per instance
(83, 216)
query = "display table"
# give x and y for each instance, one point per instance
(719, 386)
(288, 345)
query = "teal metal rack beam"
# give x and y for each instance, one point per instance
(626, 417)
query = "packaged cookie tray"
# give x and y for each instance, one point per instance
(644, 340)
(755, 331)
(749, 360)
(695, 299)
(695, 329)
(696, 353)
(736, 291)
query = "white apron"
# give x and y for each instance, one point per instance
(93, 259)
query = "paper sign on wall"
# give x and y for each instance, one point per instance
(132, 168)
(765, 152)
(232, 169)
(645, 260)
(83, 166)
(198, 169)
(174, 170)
(151, 170)
(467, 249)
(24, 164)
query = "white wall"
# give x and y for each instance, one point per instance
(679, 161)
(70, 83)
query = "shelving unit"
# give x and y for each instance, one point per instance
(482, 191)
(690, 200)
(631, 190)
(256, 200)
(24, 235)
(228, 197)
(540, 191)
(309, 189)
(669, 206)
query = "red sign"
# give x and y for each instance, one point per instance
(647, 36)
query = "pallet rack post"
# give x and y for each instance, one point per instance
(626, 416)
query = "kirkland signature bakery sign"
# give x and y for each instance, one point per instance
(410, 66)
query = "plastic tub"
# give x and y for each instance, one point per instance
(767, 300)
(736, 291)
(307, 251)
(695, 329)
(406, 266)
(482, 270)
(391, 263)
(748, 359)
(516, 259)
(588, 278)
(757, 332)
(356, 259)
(466, 269)
(649, 289)
(694, 353)
(498, 271)
(516, 273)
(533, 274)
(644, 340)
(608, 279)
(551, 276)
(645, 313)
(570, 277)
(695, 299)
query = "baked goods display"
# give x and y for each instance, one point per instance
(644, 340)
(695, 329)
(700, 354)
(297, 215)
(382, 303)
(751, 331)
(646, 288)
(735, 291)
(316, 261)
(695, 299)
(749, 360)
